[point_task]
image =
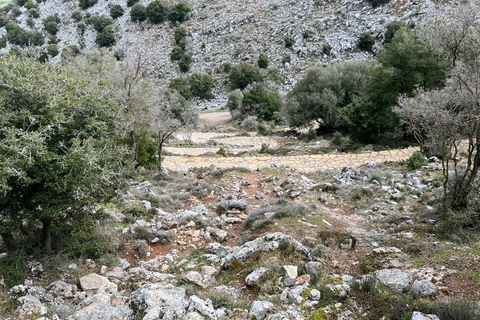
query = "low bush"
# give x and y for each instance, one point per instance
(116, 11)
(157, 11)
(262, 61)
(179, 12)
(85, 4)
(416, 161)
(138, 13)
(244, 74)
(366, 42)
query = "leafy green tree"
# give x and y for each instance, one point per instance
(181, 86)
(106, 38)
(58, 155)
(201, 85)
(52, 49)
(262, 61)
(324, 92)
(116, 11)
(244, 74)
(131, 3)
(180, 36)
(366, 42)
(259, 102)
(18, 36)
(137, 13)
(70, 52)
(157, 11)
(406, 63)
(50, 24)
(392, 27)
(99, 23)
(185, 63)
(85, 4)
(176, 54)
(77, 16)
(179, 12)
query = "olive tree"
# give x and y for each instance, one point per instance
(58, 150)
(448, 120)
(170, 113)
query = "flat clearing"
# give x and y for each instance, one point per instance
(4, 2)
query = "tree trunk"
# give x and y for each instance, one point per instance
(47, 239)
(133, 146)
(160, 146)
(9, 241)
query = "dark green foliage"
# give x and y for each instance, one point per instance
(21, 3)
(16, 12)
(70, 52)
(33, 13)
(30, 22)
(325, 92)
(147, 152)
(116, 11)
(263, 61)
(106, 38)
(52, 49)
(327, 49)
(176, 54)
(82, 28)
(377, 3)
(157, 11)
(416, 161)
(288, 42)
(51, 24)
(185, 63)
(180, 35)
(391, 29)
(3, 20)
(244, 74)
(406, 64)
(3, 42)
(13, 269)
(131, 3)
(69, 135)
(119, 54)
(31, 5)
(43, 57)
(181, 86)
(201, 85)
(179, 12)
(52, 39)
(138, 13)
(77, 16)
(258, 101)
(18, 36)
(366, 42)
(85, 4)
(227, 67)
(99, 23)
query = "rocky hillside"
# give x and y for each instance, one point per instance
(233, 31)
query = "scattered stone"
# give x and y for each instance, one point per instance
(395, 279)
(234, 204)
(421, 316)
(315, 295)
(156, 301)
(217, 234)
(30, 306)
(289, 274)
(205, 307)
(94, 283)
(313, 268)
(203, 281)
(62, 289)
(423, 288)
(259, 309)
(255, 277)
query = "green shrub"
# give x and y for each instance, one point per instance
(185, 63)
(18, 36)
(138, 13)
(85, 4)
(227, 67)
(263, 61)
(131, 3)
(3, 42)
(21, 3)
(222, 152)
(180, 35)
(147, 152)
(52, 49)
(264, 148)
(377, 3)
(176, 54)
(312, 134)
(77, 16)
(157, 11)
(106, 38)
(416, 161)
(51, 24)
(70, 51)
(116, 11)
(181, 86)
(366, 42)
(43, 57)
(337, 139)
(392, 28)
(179, 12)
(99, 23)
(244, 74)
(458, 310)
(327, 49)
(288, 42)
(201, 85)
(261, 103)
(220, 298)
(13, 269)
(33, 13)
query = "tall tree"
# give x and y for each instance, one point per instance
(58, 151)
